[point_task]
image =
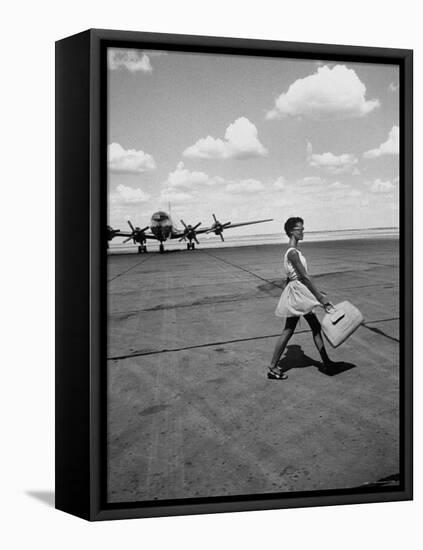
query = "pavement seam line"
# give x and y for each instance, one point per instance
(129, 269)
(243, 269)
(272, 282)
(381, 333)
(222, 301)
(211, 344)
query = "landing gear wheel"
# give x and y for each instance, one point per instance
(192, 246)
(161, 248)
(188, 246)
(145, 249)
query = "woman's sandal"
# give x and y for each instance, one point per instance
(276, 374)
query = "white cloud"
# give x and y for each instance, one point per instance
(389, 147)
(330, 93)
(393, 87)
(334, 164)
(379, 186)
(128, 195)
(182, 177)
(280, 183)
(355, 193)
(241, 142)
(311, 181)
(130, 161)
(245, 186)
(338, 185)
(174, 196)
(132, 60)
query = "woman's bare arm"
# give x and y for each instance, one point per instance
(304, 277)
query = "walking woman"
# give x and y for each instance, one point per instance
(299, 297)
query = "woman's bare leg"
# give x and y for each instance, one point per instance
(288, 331)
(316, 329)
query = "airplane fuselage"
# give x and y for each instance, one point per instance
(161, 225)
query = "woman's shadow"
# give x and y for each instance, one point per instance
(295, 358)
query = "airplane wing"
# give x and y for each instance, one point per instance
(176, 234)
(179, 233)
(203, 230)
(137, 234)
(128, 234)
(217, 228)
(230, 225)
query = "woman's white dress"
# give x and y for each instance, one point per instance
(296, 298)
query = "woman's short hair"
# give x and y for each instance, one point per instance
(290, 224)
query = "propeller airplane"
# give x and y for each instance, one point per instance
(162, 228)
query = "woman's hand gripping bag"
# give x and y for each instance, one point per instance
(340, 323)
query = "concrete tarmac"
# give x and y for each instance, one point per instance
(190, 410)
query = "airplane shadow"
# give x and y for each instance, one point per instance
(295, 358)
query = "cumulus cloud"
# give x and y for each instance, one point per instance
(128, 195)
(338, 185)
(333, 164)
(182, 177)
(240, 142)
(379, 186)
(389, 147)
(280, 183)
(245, 186)
(330, 93)
(129, 161)
(311, 181)
(132, 60)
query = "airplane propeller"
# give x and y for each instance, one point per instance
(111, 233)
(217, 228)
(189, 232)
(138, 235)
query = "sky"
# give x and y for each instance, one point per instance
(249, 138)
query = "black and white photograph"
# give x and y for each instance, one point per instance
(210, 241)
(253, 288)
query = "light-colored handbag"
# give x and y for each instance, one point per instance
(340, 322)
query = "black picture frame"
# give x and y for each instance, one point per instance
(81, 324)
